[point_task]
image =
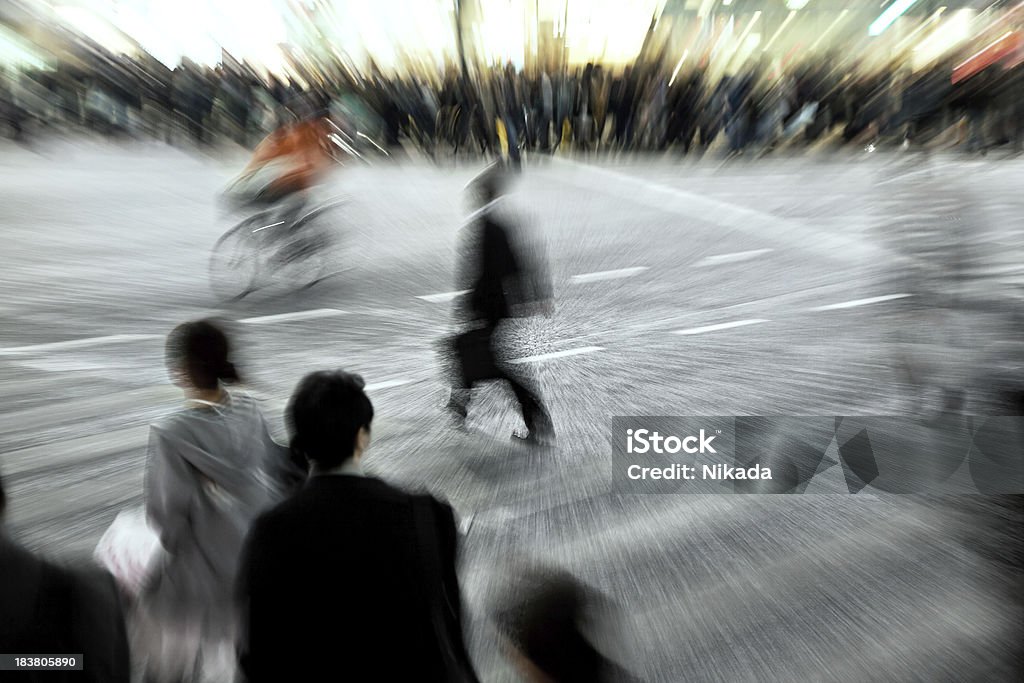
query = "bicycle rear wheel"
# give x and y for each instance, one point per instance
(235, 260)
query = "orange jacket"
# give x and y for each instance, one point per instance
(303, 146)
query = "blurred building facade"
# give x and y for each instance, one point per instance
(395, 36)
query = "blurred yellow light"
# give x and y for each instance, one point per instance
(503, 31)
(933, 19)
(610, 30)
(955, 30)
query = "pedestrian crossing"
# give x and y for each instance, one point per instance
(717, 588)
(712, 583)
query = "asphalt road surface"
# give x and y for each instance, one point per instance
(782, 287)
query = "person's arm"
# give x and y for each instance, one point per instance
(449, 545)
(169, 487)
(267, 628)
(541, 286)
(242, 598)
(269, 148)
(467, 268)
(286, 472)
(526, 271)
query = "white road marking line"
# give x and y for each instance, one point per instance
(62, 364)
(271, 404)
(556, 354)
(705, 208)
(662, 323)
(731, 258)
(443, 297)
(583, 277)
(721, 326)
(298, 315)
(608, 275)
(78, 343)
(860, 302)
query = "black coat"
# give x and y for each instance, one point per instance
(499, 269)
(332, 588)
(494, 292)
(50, 610)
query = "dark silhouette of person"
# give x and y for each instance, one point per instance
(544, 632)
(350, 579)
(503, 281)
(53, 610)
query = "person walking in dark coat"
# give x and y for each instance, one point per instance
(351, 579)
(503, 282)
(47, 610)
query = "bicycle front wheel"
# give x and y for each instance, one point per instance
(234, 261)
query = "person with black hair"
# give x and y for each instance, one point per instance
(47, 608)
(212, 468)
(544, 631)
(351, 578)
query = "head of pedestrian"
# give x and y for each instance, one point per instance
(198, 358)
(329, 418)
(489, 185)
(544, 631)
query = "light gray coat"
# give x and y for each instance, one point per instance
(210, 471)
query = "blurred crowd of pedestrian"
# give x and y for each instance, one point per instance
(258, 561)
(651, 105)
(283, 562)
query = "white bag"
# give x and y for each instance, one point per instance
(129, 549)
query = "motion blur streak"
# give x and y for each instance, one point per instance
(746, 208)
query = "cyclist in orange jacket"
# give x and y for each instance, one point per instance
(290, 161)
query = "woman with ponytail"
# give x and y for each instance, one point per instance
(212, 467)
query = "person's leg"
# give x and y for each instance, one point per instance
(535, 416)
(544, 133)
(458, 404)
(461, 387)
(513, 142)
(216, 656)
(175, 656)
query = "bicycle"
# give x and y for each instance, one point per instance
(268, 248)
